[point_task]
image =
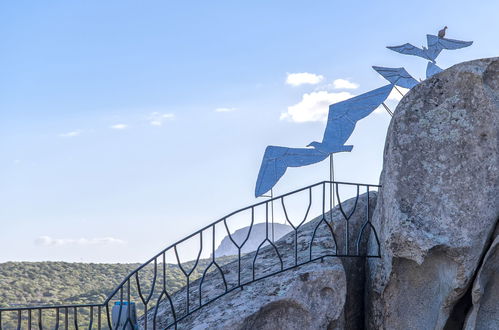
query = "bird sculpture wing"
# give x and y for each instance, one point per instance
(436, 45)
(409, 49)
(344, 115)
(397, 76)
(432, 69)
(277, 159)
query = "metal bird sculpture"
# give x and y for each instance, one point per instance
(435, 47)
(432, 69)
(397, 76)
(342, 118)
(277, 159)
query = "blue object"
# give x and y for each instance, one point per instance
(340, 125)
(432, 69)
(124, 315)
(277, 159)
(344, 115)
(397, 76)
(435, 46)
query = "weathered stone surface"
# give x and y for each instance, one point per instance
(311, 296)
(485, 295)
(439, 203)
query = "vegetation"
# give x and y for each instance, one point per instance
(60, 283)
(47, 283)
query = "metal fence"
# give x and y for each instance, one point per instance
(196, 262)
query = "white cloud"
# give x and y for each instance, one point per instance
(119, 126)
(225, 109)
(157, 118)
(49, 241)
(297, 79)
(71, 134)
(314, 106)
(344, 84)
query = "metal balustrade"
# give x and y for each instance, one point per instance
(162, 306)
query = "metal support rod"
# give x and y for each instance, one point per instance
(331, 178)
(390, 112)
(398, 90)
(272, 211)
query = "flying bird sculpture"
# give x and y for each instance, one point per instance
(435, 47)
(432, 69)
(397, 76)
(342, 118)
(277, 159)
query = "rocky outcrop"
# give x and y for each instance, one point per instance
(311, 296)
(439, 203)
(257, 235)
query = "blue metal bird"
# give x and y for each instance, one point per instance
(435, 46)
(344, 115)
(397, 76)
(341, 122)
(432, 69)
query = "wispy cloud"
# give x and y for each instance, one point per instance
(297, 79)
(313, 106)
(158, 118)
(119, 126)
(344, 84)
(49, 241)
(71, 134)
(225, 109)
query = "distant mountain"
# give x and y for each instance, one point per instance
(256, 237)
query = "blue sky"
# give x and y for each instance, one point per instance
(127, 125)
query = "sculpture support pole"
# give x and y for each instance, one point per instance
(398, 90)
(387, 109)
(272, 211)
(331, 185)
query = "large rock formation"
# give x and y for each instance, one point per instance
(311, 296)
(439, 204)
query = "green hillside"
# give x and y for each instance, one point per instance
(46, 283)
(56, 283)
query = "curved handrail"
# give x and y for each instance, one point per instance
(222, 219)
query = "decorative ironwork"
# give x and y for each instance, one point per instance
(162, 306)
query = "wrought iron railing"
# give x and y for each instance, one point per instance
(163, 305)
